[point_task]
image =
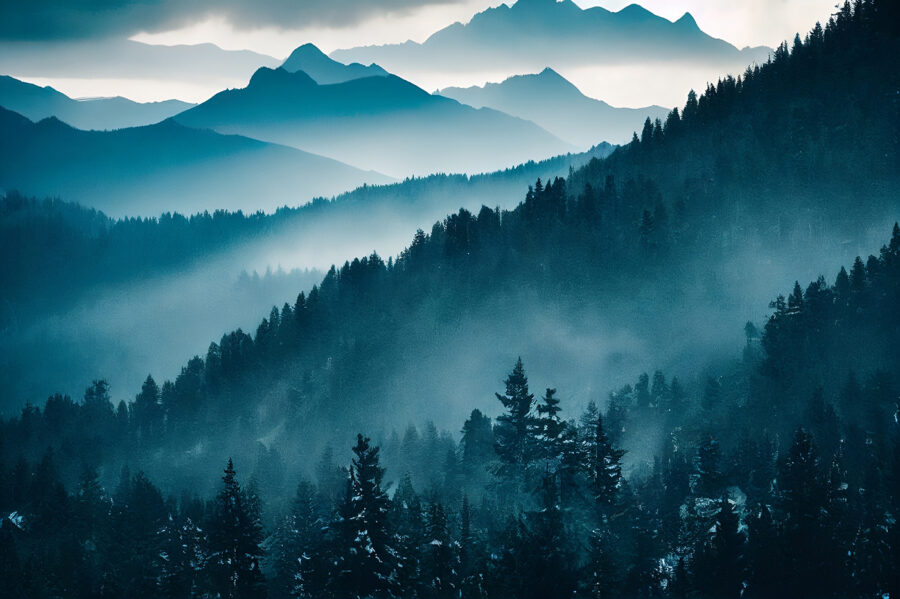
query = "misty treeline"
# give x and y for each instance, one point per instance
(819, 118)
(611, 250)
(779, 477)
(51, 244)
(776, 476)
(62, 261)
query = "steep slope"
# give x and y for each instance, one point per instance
(162, 167)
(590, 280)
(634, 262)
(552, 102)
(312, 61)
(114, 262)
(37, 103)
(382, 123)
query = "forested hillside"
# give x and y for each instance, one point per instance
(144, 264)
(784, 141)
(761, 458)
(797, 501)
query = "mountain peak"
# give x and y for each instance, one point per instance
(543, 6)
(304, 56)
(307, 50)
(635, 12)
(687, 21)
(548, 75)
(264, 77)
(534, 3)
(324, 70)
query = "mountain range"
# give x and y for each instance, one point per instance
(631, 57)
(324, 70)
(163, 167)
(37, 103)
(195, 69)
(382, 123)
(555, 104)
(531, 34)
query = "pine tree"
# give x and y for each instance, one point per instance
(764, 552)
(235, 536)
(12, 576)
(368, 561)
(147, 410)
(467, 544)
(134, 546)
(183, 558)
(551, 428)
(604, 467)
(295, 547)
(803, 498)
(710, 482)
(408, 524)
(604, 574)
(547, 560)
(441, 566)
(728, 549)
(515, 431)
(477, 450)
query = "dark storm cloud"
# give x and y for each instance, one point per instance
(62, 19)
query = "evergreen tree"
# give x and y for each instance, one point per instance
(515, 431)
(441, 560)
(368, 561)
(551, 428)
(803, 496)
(709, 478)
(604, 467)
(548, 562)
(407, 521)
(764, 552)
(235, 534)
(728, 549)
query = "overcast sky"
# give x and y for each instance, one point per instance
(275, 27)
(740, 22)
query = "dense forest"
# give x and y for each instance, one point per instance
(760, 462)
(99, 250)
(798, 500)
(51, 245)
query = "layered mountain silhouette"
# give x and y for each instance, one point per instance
(555, 104)
(36, 103)
(162, 167)
(312, 61)
(199, 66)
(551, 32)
(588, 46)
(383, 123)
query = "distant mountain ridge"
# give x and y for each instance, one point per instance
(383, 123)
(196, 67)
(37, 103)
(312, 61)
(536, 33)
(163, 167)
(629, 58)
(554, 103)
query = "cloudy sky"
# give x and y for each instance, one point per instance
(275, 27)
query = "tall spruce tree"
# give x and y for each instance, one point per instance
(516, 429)
(367, 558)
(235, 535)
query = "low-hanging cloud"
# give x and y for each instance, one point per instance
(72, 19)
